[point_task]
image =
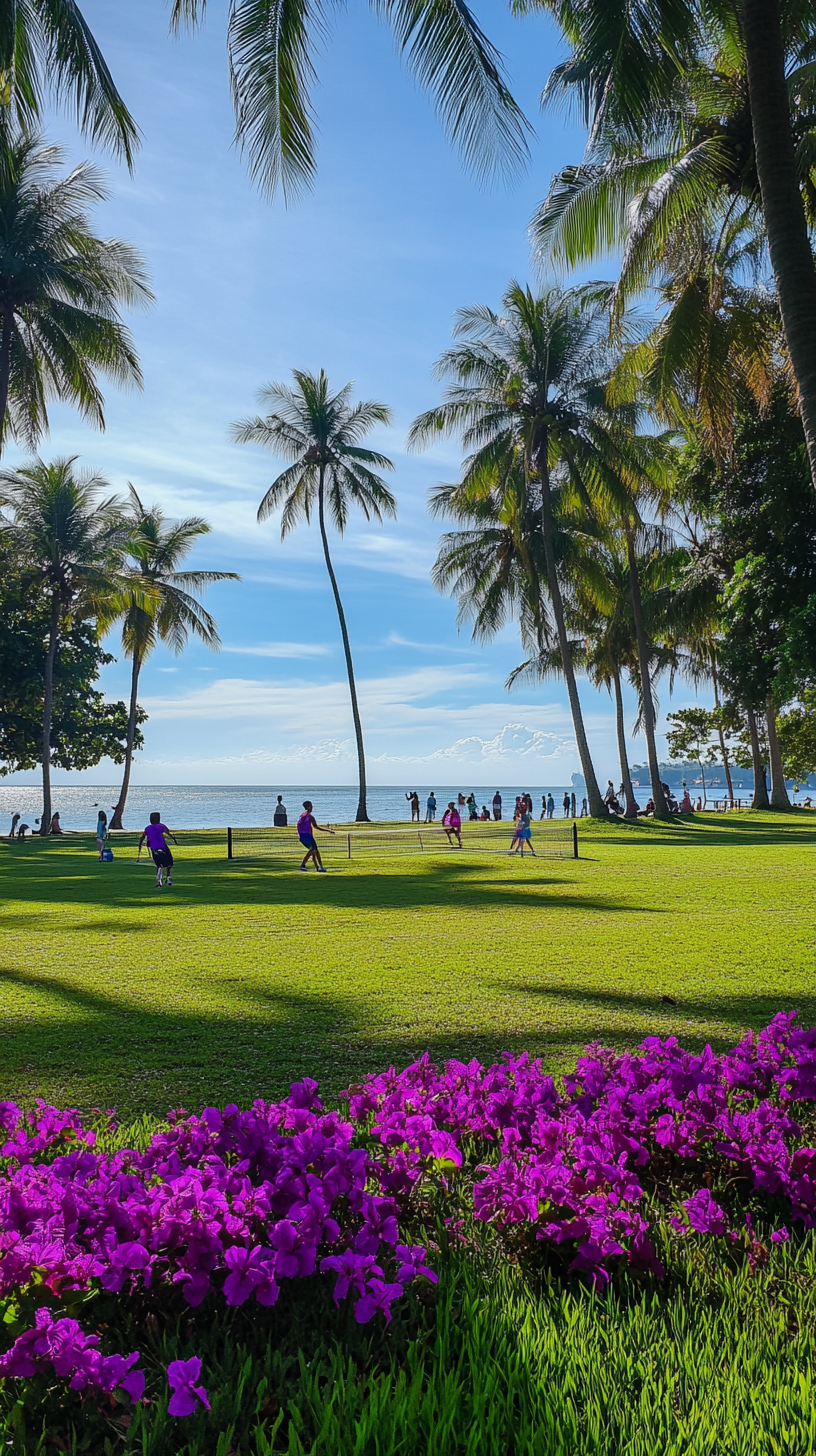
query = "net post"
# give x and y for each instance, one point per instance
(574, 840)
(348, 842)
(229, 844)
(419, 837)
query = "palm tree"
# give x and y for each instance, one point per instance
(171, 612)
(532, 381)
(46, 46)
(60, 292)
(72, 545)
(694, 108)
(319, 433)
(272, 47)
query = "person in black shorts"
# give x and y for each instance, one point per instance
(155, 833)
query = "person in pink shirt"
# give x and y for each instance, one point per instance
(157, 844)
(452, 823)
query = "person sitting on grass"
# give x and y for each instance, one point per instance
(452, 823)
(686, 806)
(485, 814)
(306, 826)
(155, 833)
(279, 818)
(56, 827)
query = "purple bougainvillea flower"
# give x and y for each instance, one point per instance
(704, 1215)
(377, 1300)
(186, 1395)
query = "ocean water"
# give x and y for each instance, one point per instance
(216, 807)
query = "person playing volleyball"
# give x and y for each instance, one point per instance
(306, 826)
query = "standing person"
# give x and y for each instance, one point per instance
(155, 833)
(102, 831)
(543, 806)
(15, 819)
(497, 806)
(430, 808)
(280, 818)
(461, 801)
(550, 806)
(306, 826)
(472, 806)
(523, 834)
(452, 823)
(584, 809)
(413, 800)
(566, 805)
(527, 802)
(686, 806)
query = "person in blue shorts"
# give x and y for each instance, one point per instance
(306, 826)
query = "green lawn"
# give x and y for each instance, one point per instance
(247, 975)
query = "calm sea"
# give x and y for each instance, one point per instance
(208, 807)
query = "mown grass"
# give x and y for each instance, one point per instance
(247, 975)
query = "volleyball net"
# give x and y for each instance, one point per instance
(551, 839)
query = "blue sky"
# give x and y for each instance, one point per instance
(361, 276)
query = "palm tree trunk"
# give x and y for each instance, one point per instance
(779, 793)
(760, 799)
(626, 777)
(661, 810)
(788, 242)
(5, 373)
(597, 807)
(362, 811)
(116, 820)
(721, 735)
(48, 711)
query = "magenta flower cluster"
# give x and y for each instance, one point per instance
(230, 1204)
(574, 1164)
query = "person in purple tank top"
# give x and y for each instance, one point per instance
(306, 826)
(155, 833)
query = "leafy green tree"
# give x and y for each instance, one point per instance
(690, 737)
(85, 727)
(70, 546)
(272, 49)
(61, 288)
(797, 738)
(319, 433)
(157, 547)
(47, 49)
(695, 108)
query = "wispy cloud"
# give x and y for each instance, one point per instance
(280, 649)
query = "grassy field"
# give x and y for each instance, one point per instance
(247, 975)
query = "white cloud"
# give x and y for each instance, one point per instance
(280, 649)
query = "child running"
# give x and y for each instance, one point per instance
(306, 826)
(522, 834)
(452, 824)
(157, 844)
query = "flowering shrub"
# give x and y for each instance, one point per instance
(228, 1205)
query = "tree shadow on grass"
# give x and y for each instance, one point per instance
(203, 884)
(751, 1012)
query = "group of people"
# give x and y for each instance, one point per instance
(616, 801)
(19, 830)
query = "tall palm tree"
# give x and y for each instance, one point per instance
(157, 547)
(72, 546)
(61, 288)
(531, 381)
(691, 104)
(48, 49)
(272, 45)
(319, 432)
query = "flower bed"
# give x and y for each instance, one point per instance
(227, 1206)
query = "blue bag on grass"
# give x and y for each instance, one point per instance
(107, 854)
